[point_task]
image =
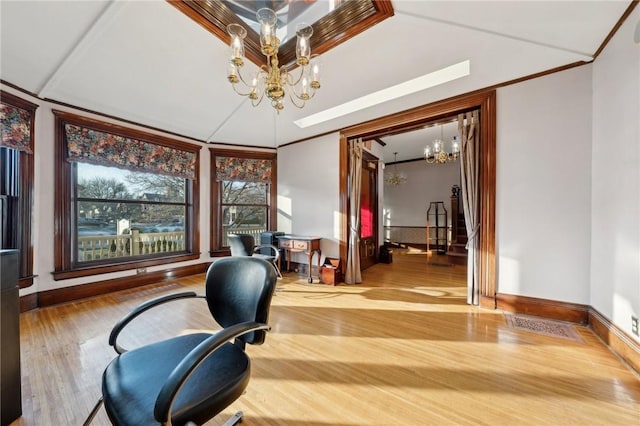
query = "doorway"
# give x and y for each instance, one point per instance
(485, 103)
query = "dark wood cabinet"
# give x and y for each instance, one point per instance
(10, 377)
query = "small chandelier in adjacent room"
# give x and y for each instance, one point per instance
(272, 80)
(436, 152)
(394, 178)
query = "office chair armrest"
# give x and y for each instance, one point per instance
(275, 249)
(182, 372)
(120, 325)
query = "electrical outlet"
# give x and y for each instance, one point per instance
(141, 270)
(634, 325)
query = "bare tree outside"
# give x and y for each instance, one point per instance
(244, 204)
(149, 202)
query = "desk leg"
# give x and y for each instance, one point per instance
(310, 255)
(319, 258)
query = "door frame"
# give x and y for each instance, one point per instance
(485, 102)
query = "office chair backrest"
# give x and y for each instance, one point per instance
(240, 289)
(241, 244)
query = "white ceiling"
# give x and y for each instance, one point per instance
(146, 62)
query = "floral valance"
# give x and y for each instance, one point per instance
(243, 169)
(15, 128)
(106, 149)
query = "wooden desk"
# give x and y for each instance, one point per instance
(300, 243)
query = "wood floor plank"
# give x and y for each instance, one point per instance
(403, 347)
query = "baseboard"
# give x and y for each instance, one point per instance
(28, 302)
(69, 294)
(616, 339)
(620, 342)
(487, 302)
(551, 309)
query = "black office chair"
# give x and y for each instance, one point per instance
(192, 378)
(245, 245)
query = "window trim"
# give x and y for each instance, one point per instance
(63, 223)
(27, 178)
(215, 235)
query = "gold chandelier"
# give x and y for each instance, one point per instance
(272, 80)
(394, 178)
(436, 152)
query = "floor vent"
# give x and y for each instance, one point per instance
(552, 328)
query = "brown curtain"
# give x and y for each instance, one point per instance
(353, 273)
(469, 128)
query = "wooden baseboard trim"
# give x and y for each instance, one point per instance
(618, 341)
(487, 302)
(551, 309)
(69, 294)
(28, 302)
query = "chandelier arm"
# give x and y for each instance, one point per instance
(300, 97)
(239, 74)
(235, 89)
(257, 102)
(293, 101)
(289, 77)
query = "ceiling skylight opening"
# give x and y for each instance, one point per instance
(435, 78)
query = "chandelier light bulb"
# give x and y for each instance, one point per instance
(268, 40)
(303, 47)
(236, 46)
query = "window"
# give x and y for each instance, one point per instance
(16, 180)
(118, 213)
(243, 194)
(124, 199)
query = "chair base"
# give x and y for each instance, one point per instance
(93, 412)
(236, 419)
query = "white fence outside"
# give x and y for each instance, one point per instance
(127, 245)
(138, 244)
(251, 230)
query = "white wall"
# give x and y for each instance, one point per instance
(615, 247)
(543, 192)
(309, 193)
(407, 204)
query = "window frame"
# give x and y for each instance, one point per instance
(26, 182)
(215, 238)
(65, 178)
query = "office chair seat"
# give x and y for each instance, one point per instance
(132, 381)
(192, 378)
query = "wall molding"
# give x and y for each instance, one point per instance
(68, 294)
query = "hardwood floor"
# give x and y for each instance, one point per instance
(400, 348)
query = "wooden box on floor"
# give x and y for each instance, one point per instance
(330, 271)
